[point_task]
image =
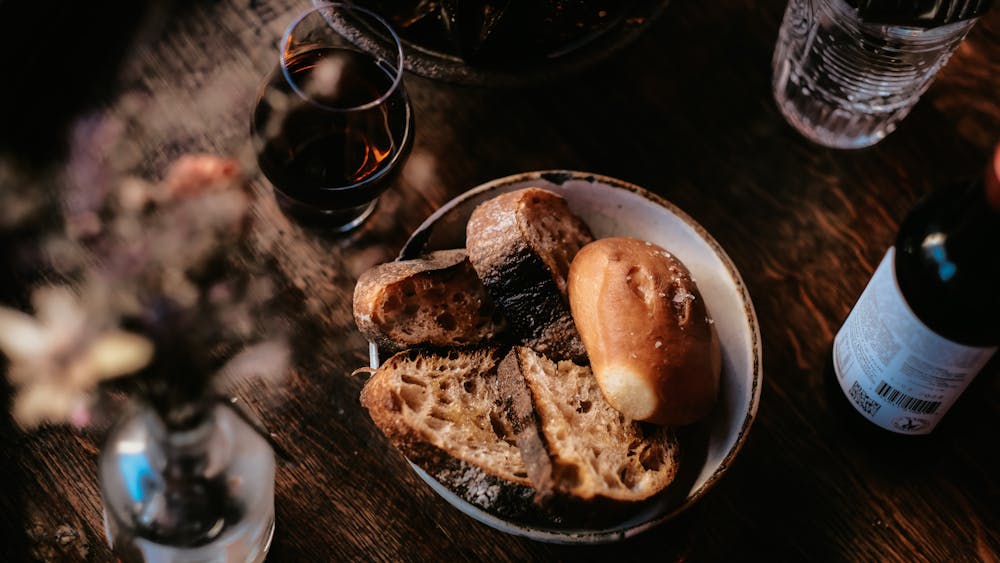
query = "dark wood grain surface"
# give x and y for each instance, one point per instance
(685, 111)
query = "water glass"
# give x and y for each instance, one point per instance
(846, 83)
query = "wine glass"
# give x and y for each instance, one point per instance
(333, 122)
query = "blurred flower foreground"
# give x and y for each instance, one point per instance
(158, 297)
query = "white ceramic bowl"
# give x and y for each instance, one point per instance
(615, 208)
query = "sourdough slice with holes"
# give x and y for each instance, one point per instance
(573, 443)
(443, 411)
(436, 300)
(521, 244)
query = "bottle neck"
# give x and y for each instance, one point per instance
(193, 437)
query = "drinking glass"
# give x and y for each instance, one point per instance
(333, 123)
(844, 82)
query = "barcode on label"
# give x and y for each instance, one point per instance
(902, 400)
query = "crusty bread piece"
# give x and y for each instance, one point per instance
(436, 300)
(651, 343)
(443, 411)
(521, 244)
(573, 442)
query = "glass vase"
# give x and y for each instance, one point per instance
(201, 493)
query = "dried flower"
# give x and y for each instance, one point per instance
(265, 361)
(19, 199)
(156, 293)
(61, 354)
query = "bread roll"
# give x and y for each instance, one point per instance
(435, 300)
(651, 343)
(521, 244)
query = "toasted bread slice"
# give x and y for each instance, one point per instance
(572, 442)
(436, 300)
(443, 411)
(521, 244)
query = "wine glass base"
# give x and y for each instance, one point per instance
(333, 221)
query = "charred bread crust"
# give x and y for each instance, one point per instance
(519, 408)
(474, 485)
(523, 288)
(526, 281)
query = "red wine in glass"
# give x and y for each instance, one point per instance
(331, 128)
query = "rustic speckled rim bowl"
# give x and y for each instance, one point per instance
(615, 208)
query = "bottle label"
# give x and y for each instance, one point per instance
(896, 371)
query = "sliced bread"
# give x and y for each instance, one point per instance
(436, 300)
(573, 443)
(521, 244)
(443, 411)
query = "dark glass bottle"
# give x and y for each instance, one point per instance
(929, 320)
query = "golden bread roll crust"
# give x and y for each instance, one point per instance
(644, 324)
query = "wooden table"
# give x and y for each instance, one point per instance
(685, 111)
